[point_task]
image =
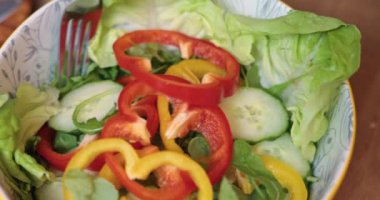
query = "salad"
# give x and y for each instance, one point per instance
(182, 100)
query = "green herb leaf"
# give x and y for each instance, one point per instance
(198, 149)
(65, 142)
(95, 74)
(161, 57)
(252, 165)
(227, 191)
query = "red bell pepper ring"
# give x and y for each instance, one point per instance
(138, 89)
(128, 124)
(209, 93)
(134, 132)
(129, 94)
(55, 159)
(173, 191)
(213, 124)
(125, 80)
(121, 125)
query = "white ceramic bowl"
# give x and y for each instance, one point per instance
(31, 54)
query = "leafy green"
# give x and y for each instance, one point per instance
(95, 74)
(65, 142)
(305, 65)
(295, 22)
(11, 184)
(20, 119)
(199, 149)
(3, 98)
(250, 164)
(226, 191)
(161, 57)
(86, 187)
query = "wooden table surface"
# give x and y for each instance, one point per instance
(363, 177)
(362, 181)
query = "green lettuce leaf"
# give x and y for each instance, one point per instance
(86, 187)
(20, 119)
(122, 16)
(306, 72)
(3, 98)
(227, 191)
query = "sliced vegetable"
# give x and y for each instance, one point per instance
(168, 191)
(255, 115)
(84, 186)
(88, 107)
(287, 177)
(195, 71)
(192, 70)
(97, 108)
(121, 126)
(285, 151)
(212, 123)
(253, 167)
(138, 167)
(208, 93)
(165, 118)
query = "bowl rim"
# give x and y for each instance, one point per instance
(344, 169)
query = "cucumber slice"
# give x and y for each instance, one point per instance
(284, 150)
(255, 115)
(83, 116)
(63, 121)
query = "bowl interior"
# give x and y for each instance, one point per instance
(31, 54)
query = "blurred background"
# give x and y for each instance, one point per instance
(363, 177)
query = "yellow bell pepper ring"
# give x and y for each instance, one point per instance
(150, 162)
(85, 156)
(287, 177)
(140, 168)
(194, 70)
(164, 117)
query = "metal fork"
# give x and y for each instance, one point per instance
(78, 26)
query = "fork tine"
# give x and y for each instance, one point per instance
(84, 56)
(76, 49)
(76, 31)
(68, 43)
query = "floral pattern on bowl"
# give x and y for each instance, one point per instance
(31, 54)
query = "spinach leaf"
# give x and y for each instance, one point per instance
(252, 165)
(65, 142)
